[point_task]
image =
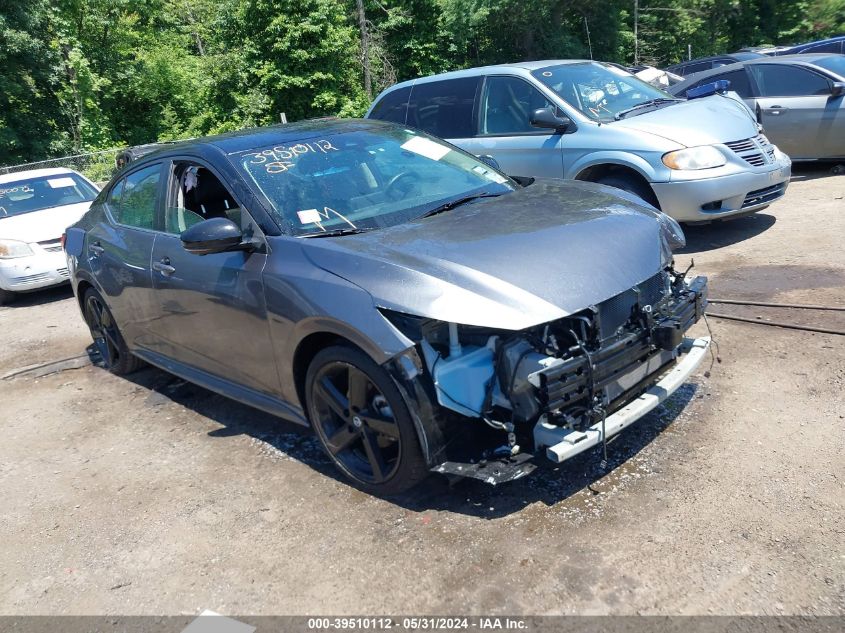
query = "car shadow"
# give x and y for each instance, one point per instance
(802, 172)
(549, 484)
(40, 297)
(707, 237)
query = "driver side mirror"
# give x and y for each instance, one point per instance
(837, 89)
(546, 118)
(215, 235)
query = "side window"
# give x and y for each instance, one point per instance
(196, 194)
(393, 106)
(691, 69)
(507, 104)
(444, 108)
(788, 81)
(739, 82)
(137, 198)
(829, 47)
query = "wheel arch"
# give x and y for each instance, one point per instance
(599, 171)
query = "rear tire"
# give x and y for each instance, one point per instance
(108, 340)
(362, 421)
(6, 297)
(631, 185)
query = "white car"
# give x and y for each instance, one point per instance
(36, 207)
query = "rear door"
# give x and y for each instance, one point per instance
(505, 131)
(212, 314)
(119, 252)
(794, 105)
(445, 108)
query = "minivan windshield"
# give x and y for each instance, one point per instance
(36, 194)
(600, 91)
(366, 179)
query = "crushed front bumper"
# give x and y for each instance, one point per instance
(562, 444)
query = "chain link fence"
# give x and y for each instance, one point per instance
(96, 166)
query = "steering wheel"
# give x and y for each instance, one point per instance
(395, 189)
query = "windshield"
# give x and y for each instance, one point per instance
(600, 91)
(365, 179)
(34, 194)
(834, 63)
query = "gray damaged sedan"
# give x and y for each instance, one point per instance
(418, 309)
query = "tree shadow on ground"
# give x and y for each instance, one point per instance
(549, 484)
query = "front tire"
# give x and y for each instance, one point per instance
(108, 340)
(631, 185)
(362, 421)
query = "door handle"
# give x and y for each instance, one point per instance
(775, 110)
(164, 267)
(96, 249)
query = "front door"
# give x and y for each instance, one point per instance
(212, 312)
(505, 130)
(796, 110)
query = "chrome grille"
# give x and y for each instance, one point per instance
(51, 246)
(63, 272)
(30, 278)
(764, 196)
(756, 151)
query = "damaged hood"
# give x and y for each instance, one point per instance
(704, 121)
(510, 262)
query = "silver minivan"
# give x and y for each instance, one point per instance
(696, 160)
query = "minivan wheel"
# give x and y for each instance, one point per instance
(108, 340)
(631, 185)
(362, 421)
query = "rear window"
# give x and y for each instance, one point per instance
(444, 108)
(393, 106)
(738, 78)
(35, 194)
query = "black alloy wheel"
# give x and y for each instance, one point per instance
(363, 422)
(108, 341)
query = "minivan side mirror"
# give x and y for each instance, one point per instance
(837, 89)
(215, 235)
(546, 118)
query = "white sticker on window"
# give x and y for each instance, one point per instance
(59, 183)
(425, 147)
(309, 216)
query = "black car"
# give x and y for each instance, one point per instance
(706, 63)
(830, 45)
(419, 309)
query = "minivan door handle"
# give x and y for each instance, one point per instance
(96, 249)
(163, 266)
(775, 109)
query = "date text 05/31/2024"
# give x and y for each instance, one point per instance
(427, 623)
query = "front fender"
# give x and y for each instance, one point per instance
(623, 159)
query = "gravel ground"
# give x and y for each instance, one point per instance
(152, 496)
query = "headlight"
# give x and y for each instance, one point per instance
(672, 231)
(703, 157)
(9, 249)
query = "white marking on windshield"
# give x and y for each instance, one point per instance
(425, 147)
(61, 183)
(285, 157)
(315, 216)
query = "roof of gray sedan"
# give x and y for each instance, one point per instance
(807, 58)
(253, 138)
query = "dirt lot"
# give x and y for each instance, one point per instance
(150, 496)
